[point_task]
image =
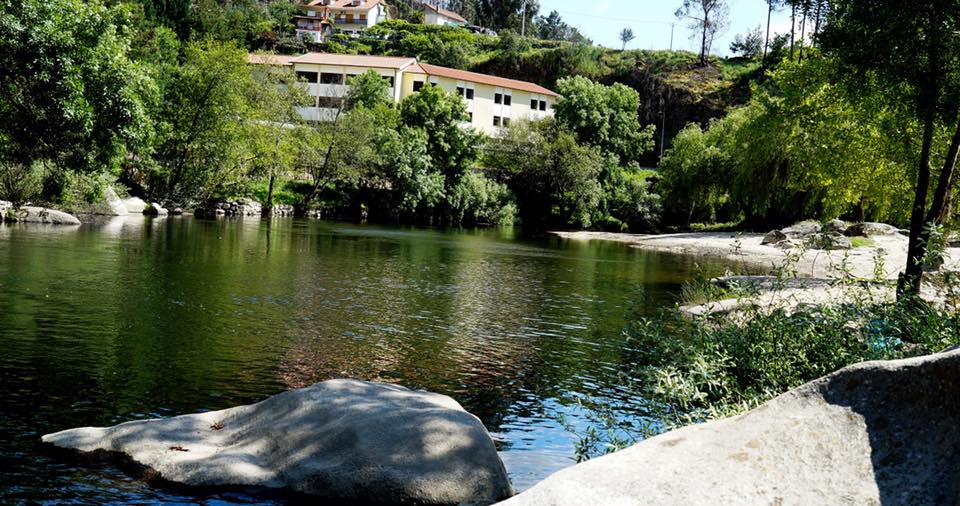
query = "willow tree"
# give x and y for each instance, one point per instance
(914, 47)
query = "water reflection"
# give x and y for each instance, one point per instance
(137, 317)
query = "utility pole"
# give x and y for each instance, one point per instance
(671, 35)
(523, 20)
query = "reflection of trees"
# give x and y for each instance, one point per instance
(169, 314)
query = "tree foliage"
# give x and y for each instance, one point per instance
(69, 91)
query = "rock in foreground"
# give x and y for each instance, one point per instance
(340, 439)
(874, 433)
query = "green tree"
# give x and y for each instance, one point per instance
(749, 45)
(452, 146)
(604, 117)
(267, 129)
(368, 90)
(201, 145)
(626, 35)
(553, 176)
(912, 47)
(69, 91)
(707, 19)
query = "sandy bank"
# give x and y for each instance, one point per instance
(746, 250)
(816, 271)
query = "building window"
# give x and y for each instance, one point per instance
(462, 92)
(349, 18)
(328, 78)
(506, 122)
(330, 102)
(310, 77)
(469, 93)
(533, 104)
(350, 77)
(388, 80)
(470, 115)
(543, 105)
(417, 86)
(507, 100)
(496, 121)
(498, 98)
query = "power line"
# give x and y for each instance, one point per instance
(608, 18)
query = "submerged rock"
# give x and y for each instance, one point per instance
(872, 433)
(32, 214)
(341, 439)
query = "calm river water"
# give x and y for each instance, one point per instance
(139, 317)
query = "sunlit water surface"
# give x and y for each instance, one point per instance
(138, 317)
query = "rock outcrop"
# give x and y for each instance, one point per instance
(155, 209)
(871, 229)
(873, 433)
(344, 440)
(134, 205)
(240, 207)
(114, 205)
(811, 235)
(33, 214)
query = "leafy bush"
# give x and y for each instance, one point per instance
(478, 200)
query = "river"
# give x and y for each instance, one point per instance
(139, 317)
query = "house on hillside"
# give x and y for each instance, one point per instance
(319, 18)
(434, 15)
(492, 102)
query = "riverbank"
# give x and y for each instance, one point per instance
(814, 273)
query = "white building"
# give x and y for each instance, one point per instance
(320, 18)
(433, 15)
(492, 102)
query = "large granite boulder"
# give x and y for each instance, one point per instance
(33, 214)
(114, 204)
(874, 433)
(134, 205)
(802, 230)
(344, 440)
(869, 229)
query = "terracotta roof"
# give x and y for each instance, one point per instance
(463, 75)
(344, 5)
(358, 60)
(444, 12)
(269, 59)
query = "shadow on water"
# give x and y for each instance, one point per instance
(140, 317)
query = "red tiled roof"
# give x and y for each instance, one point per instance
(444, 12)
(463, 75)
(344, 5)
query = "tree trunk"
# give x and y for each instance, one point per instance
(703, 40)
(268, 208)
(766, 41)
(803, 30)
(793, 25)
(909, 283)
